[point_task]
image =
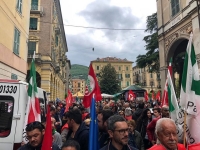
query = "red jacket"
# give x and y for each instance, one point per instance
(151, 129)
(161, 147)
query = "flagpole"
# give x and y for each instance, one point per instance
(184, 129)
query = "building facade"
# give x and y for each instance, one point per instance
(78, 85)
(148, 80)
(47, 39)
(14, 33)
(176, 20)
(123, 68)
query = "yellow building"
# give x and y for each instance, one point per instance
(78, 85)
(146, 79)
(123, 68)
(14, 31)
(176, 20)
(47, 39)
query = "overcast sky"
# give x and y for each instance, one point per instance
(116, 14)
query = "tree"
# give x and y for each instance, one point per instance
(108, 80)
(151, 58)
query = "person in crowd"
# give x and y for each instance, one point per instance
(128, 113)
(165, 111)
(35, 133)
(151, 126)
(142, 123)
(71, 145)
(58, 123)
(118, 132)
(57, 139)
(78, 131)
(102, 118)
(52, 111)
(64, 132)
(135, 138)
(87, 122)
(121, 113)
(138, 111)
(83, 112)
(167, 136)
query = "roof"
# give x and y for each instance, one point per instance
(112, 59)
(134, 88)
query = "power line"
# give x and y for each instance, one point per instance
(98, 28)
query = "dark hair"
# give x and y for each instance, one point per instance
(143, 116)
(158, 110)
(112, 120)
(106, 113)
(74, 114)
(34, 125)
(71, 143)
(52, 109)
(141, 105)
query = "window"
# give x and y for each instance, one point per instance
(127, 83)
(6, 111)
(16, 41)
(19, 6)
(31, 48)
(151, 75)
(119, 76)
(175, 7)
(127, 75)
(13, 76)
(34, 5)
(79, 84)
(56, 40)
(120, 84)
(33, 23)
(119, 68)
(126, 68)
(97, 67)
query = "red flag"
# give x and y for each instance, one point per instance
(92, 88)
(48, 139)
(158, 96)
(68, 101)
(153, 95)
(146, 96)
(194, 146)
(131, 95)
(165, 100)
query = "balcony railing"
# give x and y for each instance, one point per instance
(35, 9)
(38, 57)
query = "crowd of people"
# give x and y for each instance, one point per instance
(123, 125)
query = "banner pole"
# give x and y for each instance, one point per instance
(184, 129)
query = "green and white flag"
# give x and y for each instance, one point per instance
(190, 96)
(172, 100)
(190, 86)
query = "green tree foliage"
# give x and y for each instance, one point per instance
(151, 58)
(108, 80)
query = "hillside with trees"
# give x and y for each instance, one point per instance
(79, 71)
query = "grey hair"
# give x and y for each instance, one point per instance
(112, 120)
(159, 124)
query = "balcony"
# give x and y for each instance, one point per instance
(37, 57)
(35, 9)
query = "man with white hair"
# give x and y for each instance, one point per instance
(166, 136)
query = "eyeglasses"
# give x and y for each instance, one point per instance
(122, 131)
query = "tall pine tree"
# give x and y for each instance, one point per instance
(109, 83)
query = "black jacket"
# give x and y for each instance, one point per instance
(29, 147)
(81, 136)
(109, 146)
(103, 139)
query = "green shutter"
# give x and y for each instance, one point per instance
(34, 5)
(19, 6)
(14, 76)
(16, 42)
(31, 48)
(33, 23)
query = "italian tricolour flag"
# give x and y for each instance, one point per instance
(33, 104)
